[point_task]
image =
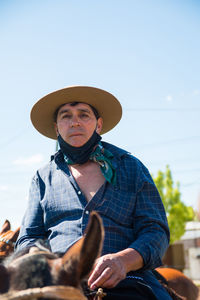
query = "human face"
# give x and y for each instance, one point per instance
(76, 124)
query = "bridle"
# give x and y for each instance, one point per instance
(8, 242)
(52, 292)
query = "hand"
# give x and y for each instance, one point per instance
(108, 271)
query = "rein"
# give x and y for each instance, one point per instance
(96, 295)
(52, 292)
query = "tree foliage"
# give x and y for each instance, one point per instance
(177, 212)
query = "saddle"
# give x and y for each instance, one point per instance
(164, 283)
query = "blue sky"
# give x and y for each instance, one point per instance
(144, 52)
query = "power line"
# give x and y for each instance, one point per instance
(169, 141)
(12, 139)
(191, 183)
(187, 170)
(164, 109)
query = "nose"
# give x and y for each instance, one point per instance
(75, 122)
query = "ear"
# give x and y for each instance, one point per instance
(56, 128)
(88, 248)
(5, 227)
(4, 279)
(14, 235)
(99, 125)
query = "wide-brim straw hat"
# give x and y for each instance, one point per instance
(108, 107)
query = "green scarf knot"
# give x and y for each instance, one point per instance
(103, 157)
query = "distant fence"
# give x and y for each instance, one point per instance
(174, 257)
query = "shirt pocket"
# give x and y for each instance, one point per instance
(119, 206)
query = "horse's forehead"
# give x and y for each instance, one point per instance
(6, 234)
(5, 241)
(32, 256)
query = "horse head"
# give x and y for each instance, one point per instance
(37, 267)
(7, 239)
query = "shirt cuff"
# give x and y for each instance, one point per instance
(151, 260)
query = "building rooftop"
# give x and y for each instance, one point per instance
(192, 231)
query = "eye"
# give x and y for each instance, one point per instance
(66, 116)
(84, 116)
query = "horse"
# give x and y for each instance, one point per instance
(32, 266)
(37, 273)
(180, 283)
(7, 239)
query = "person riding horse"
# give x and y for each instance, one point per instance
(88, 174)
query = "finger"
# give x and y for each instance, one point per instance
(105, 275)
(97, 271)
(111, 282)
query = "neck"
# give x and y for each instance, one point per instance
(81, 166)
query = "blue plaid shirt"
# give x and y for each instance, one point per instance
(132, 211)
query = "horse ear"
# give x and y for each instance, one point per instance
(5, 227)
(88, 248)
(4, 279)
(92, 244)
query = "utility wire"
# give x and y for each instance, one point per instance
(186, 171)
(12, 139)
(164, 109)
(168, 142)
(191, 183)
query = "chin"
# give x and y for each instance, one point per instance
(77, 141)
(77, 144)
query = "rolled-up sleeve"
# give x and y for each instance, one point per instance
(32, 227)
(150, 222)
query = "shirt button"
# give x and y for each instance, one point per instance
(79, 192)
(87, 212)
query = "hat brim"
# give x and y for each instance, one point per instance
(108, 107)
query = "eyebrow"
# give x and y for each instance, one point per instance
(68, 110)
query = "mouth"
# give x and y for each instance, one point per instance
(75, 134)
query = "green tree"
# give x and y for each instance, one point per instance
(177, 212)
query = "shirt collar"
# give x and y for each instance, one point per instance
(116, 151)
